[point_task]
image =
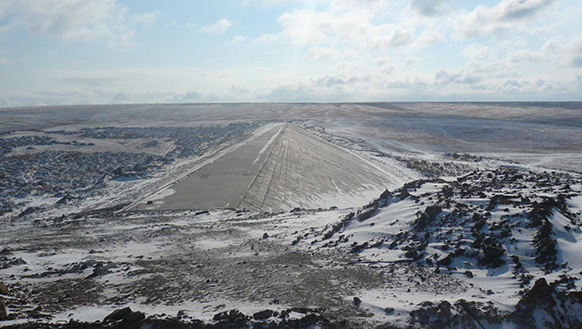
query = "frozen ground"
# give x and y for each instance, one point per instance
(484, 201)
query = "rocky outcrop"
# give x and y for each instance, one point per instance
(125, 318)
(552, 308)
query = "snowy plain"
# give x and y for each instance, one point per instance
(86, 258)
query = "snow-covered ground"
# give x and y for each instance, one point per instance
(483, 201)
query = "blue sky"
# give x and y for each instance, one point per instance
(150, 51)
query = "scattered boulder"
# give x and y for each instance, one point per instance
(445, 308)
(3, 311)
(357, 301)
(446, 260)
(3, 289)
(263, 315)
(64, 200)
(124, 318)
(132, 318)
(492, 255)
(265, 235)
(492, 251)
(429, 215)
(366, 213)
(99, 270)
(118, 314)
(231, 316)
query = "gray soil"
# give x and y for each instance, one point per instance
(117, 266)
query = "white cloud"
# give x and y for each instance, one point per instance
(428, 37)
(552, 51)
(73, 19)
(502, 17)
(238, 90)
(289, 92)
(237, 39)
(217, 28)
(380, 62)
(353, 28)
(410, 60)
(409, 84)
(444, 77)
(322, 54)
(191, 95)
(427, 7)
(477, 51)
(330, 81)
(144, 19)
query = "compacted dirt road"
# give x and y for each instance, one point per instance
(284, 168)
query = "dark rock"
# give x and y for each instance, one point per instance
(65, 200)
(231, 316)
(118, 314)
(28, 211)
(302, 310)
(445, 308)
(132, 318)
(385, 195)
(3, 289)
(263, 315)
(445, 261)
(99, 270)
(545, 245)
(367, 213)
(3, 311)
(265, 235)
(428, 216)
(389, 310)
(413, 254)
(469, 274)
(541, 291)
(492, 251)
(357, 301)
(558, 308)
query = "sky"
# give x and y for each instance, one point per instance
(56, 52)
